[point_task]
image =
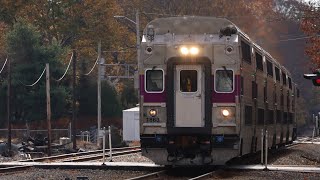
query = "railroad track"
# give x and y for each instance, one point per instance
(83, 155)
(100, 156)
(13, 169)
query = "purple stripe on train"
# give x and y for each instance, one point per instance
(216, 97)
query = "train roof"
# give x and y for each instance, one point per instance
(189, 25)
(201, 25)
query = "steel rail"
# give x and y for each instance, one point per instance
(14, 169)
(100, 155)
(64, 156)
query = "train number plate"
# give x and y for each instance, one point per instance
(153, 120)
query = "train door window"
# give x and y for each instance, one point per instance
(259, 61)
(281, 100)
(290, 83)
(270, 116)
(269, 68)
(277, 72)
(224, 81)
(298, 93)
(254, 90)
(260, 116)
(188, 81)
(284, 79)
(248, 115)
(154, 81)
(278, 117)
(246, 52)
(275, 99)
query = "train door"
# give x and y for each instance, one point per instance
(189, 96)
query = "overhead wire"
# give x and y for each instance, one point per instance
(93, 66)
(4, 65)
(293, 39)
(30, 85)
(66, 70)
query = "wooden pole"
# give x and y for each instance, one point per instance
(74, 108)
(48, 108)
(8, 107)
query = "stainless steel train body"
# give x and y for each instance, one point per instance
(207, 91)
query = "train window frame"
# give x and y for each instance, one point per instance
(276, 69)
(191, 92)
(259, 65)
(270, 116)
(246, 120)
(233, 79)
(145, 80)
(242, 41)
(278, 117)
(268, 63)
(290, 82)
(261, 112)
(284, 78)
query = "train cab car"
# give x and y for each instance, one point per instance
(207, 91)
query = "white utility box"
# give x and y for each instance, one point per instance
(131, 127)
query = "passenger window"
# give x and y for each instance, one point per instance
(259, 61)
(290, 83)
(260, 116)
(278, 117)
(188, 81)
(269, 68)
(277, 71)
(242, 86)
(224, 81)
(154, 81)
(246, 52)
(248, 115)
(270, 117)
(254, 90)
(285, 118)
(284, 79)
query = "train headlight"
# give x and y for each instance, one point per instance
(153, 112)
(194, 51)
(225, 112)
(184, 50)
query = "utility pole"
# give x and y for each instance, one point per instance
(8, 107)
(140, 98)
(48, 108)
(74, 141)
(99, 93)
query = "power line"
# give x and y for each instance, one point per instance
(293, 39)
(66, 69)
(93, 66)
(30, 85)
(4, 65)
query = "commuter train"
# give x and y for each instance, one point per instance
(207, 91)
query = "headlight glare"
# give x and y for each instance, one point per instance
(184, 50)
(225, 112)
(194, 51)
(153, 112)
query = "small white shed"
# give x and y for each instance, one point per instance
(131, 127)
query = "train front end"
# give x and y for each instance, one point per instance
(189, 91)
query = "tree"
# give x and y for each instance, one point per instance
(29, 57)
(310, 24)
